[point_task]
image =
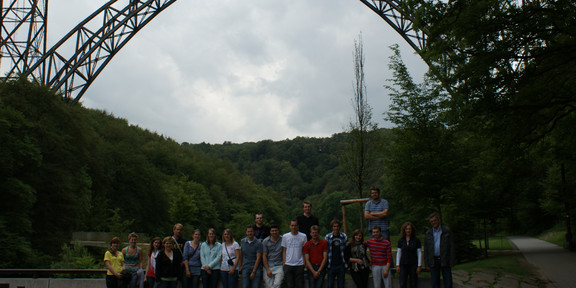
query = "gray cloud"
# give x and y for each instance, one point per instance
(239, 71)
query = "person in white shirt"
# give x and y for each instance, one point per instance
(293, 256)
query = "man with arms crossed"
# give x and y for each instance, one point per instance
(272, 258)
(251, 256)
(376, 212)
(292, 257)
(439, 254)
(381, 255)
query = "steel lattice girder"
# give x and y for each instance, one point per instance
(402, 21)
(93, 50)
(23, 33)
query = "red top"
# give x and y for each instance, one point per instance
(316, 250)
(380, 251)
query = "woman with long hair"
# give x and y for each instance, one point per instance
(409, 256)
(192, 260)
(230, 258)
(210, 257)
(357, 258)
(114, 261)
(168, 269)
(155, 248)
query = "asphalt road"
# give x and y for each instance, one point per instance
(556, 264)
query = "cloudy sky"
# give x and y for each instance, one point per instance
(239, 71)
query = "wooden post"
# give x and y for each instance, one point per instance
(344, 225)
(347, 202)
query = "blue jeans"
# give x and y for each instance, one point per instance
(210, 280)
(137, 279)
(316, 283)
(435, 274)
(336, 271)
(229, 281)
(246, 282)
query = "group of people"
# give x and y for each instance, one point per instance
(265, 255)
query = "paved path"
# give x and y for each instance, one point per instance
(555, 263)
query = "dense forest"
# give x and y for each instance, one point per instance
(486, 139)
(66, 168)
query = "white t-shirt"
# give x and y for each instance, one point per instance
(228, 250)
(294, 245)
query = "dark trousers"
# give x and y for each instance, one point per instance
(193, 281)
(435, 274)
(111, 281)
(294, 276)
(168, 284)
(210, 280)
(336, 271)
(361, 277)
(151, 282)
(408, 271)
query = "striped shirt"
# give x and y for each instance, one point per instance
(380, 251)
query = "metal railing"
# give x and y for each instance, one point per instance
(47, 273)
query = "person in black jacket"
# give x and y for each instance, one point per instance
(357, 258)
(439, 254)
(168, 266)
(408, 256)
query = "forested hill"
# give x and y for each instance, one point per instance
(299, 168)
(66, 168)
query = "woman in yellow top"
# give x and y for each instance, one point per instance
(114, 261)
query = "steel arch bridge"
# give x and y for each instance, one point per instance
(99, 37)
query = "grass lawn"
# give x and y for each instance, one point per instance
(495, 243)
(555, 235)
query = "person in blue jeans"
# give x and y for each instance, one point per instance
(251, 248)
(192, 263)
(336, 261)
(133, 261)
(230, 260)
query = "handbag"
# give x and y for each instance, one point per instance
(230, 260)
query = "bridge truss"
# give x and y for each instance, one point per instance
(394, 13)
(22, 34)
(96, 40)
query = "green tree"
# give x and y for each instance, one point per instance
(510, 67)
(419, 162)
(359, 159)
(427, 171)
(75, 257)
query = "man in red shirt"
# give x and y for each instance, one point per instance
(381, 255)
(316, 257)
